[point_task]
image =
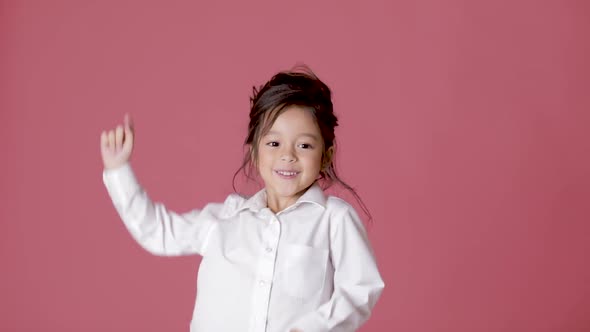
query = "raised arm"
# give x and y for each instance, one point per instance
(155, 228)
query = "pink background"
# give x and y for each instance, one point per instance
(464, 126)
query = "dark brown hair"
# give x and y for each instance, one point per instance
(296, 87)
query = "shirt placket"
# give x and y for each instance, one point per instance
(265, 273)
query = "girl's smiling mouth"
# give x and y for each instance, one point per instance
(286, 174)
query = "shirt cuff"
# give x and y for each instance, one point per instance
(120, 182)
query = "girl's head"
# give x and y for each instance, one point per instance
(298, 89)
(291, 141)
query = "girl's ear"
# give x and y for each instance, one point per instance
(327, 158)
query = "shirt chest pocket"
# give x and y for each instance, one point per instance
(301, 270)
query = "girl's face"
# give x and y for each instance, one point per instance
(290, 157)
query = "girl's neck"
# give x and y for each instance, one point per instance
(277, 203)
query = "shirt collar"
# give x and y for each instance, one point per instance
(314, 195)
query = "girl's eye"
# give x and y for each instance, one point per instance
(273, 144)
(305, 146)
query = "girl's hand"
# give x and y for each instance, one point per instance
(116, 144)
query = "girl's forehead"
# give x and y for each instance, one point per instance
(295, 118)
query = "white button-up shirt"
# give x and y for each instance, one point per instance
(309, 267)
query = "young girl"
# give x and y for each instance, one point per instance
(286, 259)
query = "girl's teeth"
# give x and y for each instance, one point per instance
(287, 173)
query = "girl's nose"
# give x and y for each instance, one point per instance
(288, 156)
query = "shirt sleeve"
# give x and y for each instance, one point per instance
(155, 228)
(357, 282)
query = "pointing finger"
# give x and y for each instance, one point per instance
(128, 122)
(129, 132)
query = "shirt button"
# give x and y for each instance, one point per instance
(268, 249)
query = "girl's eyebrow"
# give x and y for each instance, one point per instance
(312, 136)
